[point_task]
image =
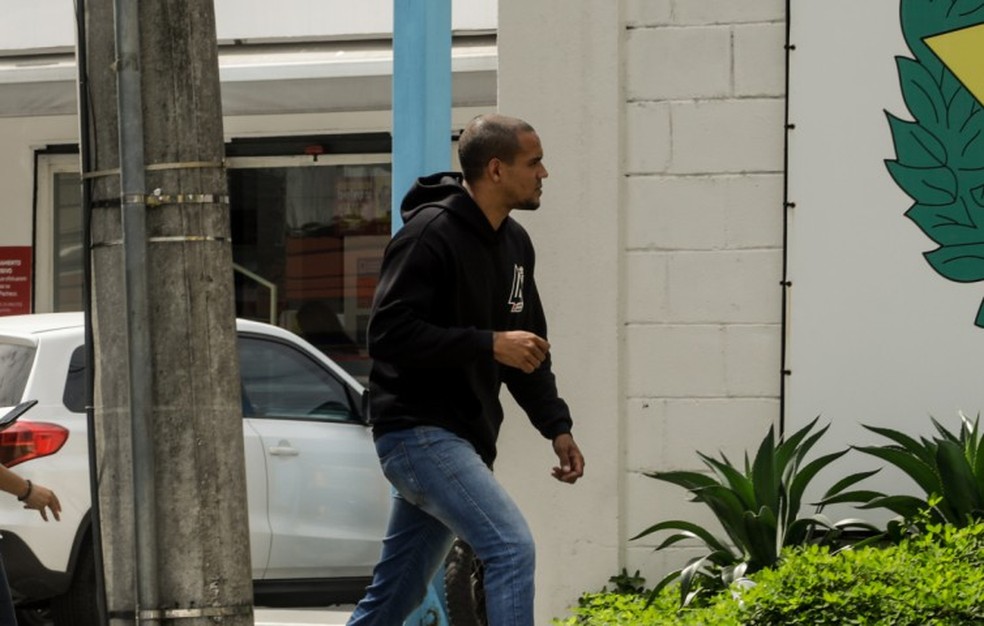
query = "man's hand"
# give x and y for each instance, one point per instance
(519, 349)
(571, 461)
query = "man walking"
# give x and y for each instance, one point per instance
(456, 315)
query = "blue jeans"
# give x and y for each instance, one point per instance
(443, 489)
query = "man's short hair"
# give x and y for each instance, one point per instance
(488, 137)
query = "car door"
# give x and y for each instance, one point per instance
(327, 500)
(256, 496)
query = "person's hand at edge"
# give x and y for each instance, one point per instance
(41, 499)
(571, 460)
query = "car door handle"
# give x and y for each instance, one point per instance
(284, 449)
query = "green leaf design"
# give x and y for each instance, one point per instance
(939, 154)
(963, 263)
(925, 18)
(921, 93)
(916, 146)
(948, 224)
(961, 110)
(926, 185)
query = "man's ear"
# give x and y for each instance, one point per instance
(494, 170)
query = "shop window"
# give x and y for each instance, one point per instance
(308, 239)
(308, 234)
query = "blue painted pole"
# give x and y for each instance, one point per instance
(421, 93)
(421, 145)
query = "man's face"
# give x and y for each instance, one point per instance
(522, 179)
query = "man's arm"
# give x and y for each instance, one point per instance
(528, 375)
(408, 288)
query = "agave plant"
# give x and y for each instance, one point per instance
(949, 469)
(758, 507)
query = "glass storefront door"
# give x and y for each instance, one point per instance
(58, 235)
(307, 238)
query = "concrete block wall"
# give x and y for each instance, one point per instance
(704, 88)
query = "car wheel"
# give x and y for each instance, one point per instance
(77, 606)
(34, 616)
(464, 590)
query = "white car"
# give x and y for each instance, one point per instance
(318, 502)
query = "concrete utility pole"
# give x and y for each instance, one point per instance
(170, 472)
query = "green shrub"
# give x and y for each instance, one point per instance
(933, 579)
(758, 507)
(610, 608)
(949, 469)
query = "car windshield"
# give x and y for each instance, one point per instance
(15, 366)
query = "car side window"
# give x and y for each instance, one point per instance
(280, 381)
(15, 367)
(74, 395)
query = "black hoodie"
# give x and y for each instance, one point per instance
(448, 281)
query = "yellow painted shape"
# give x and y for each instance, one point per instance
(963, 52)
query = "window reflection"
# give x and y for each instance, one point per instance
(67, 262)
(308, 236)
(316, 232)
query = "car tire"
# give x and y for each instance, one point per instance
(34, 616)
(77, 606)
(464, 591)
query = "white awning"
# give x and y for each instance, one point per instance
(265, 79)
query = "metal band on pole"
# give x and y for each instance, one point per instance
(189, 613)
(157, 167)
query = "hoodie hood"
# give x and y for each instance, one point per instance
(446, 190)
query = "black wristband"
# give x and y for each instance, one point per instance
(30, 488)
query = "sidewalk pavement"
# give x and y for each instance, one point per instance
(335, 616)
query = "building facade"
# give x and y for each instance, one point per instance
(661, 257)
(660, 237)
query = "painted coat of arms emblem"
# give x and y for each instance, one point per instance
(940, 153)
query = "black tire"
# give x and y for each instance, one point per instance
(34, 616)
(78, 605)
(464, 590)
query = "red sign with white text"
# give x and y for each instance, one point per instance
(15, 280)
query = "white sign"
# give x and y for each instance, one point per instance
(886, 240)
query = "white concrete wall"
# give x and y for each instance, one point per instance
(559, 69)
(704, 107)
(660, 259)
(21, 137)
